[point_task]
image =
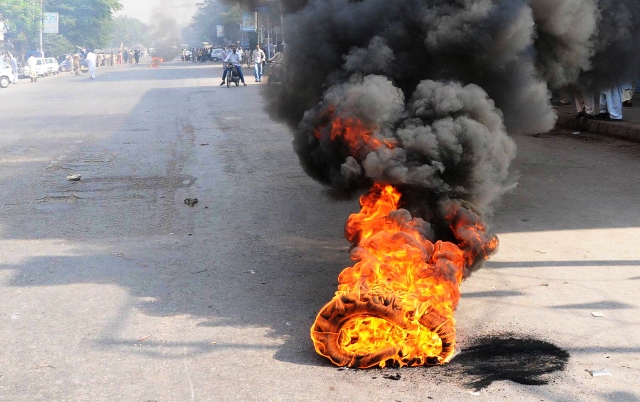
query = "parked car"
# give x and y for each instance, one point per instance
(216, 54)
(6, 74)
(66, 65)
(41, 68)
(52, 65)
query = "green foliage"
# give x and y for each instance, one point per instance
(215, 12)
(55, 45)
(86, 23)
(129, 31)
(23, 23)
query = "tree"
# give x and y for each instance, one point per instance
(213, 13)
(22, 19)
(82, 22)
(129, 31)
(86, 23)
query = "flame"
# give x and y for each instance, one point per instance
(395, 306)
(355, 134)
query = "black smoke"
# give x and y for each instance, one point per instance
(445, 80)
(165, 35)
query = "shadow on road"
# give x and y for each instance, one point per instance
(262, 248)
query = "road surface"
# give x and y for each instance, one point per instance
(113, 289)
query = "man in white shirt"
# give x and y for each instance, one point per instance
(258, 59)
(235, 59)
(33, 71)
(91, 64)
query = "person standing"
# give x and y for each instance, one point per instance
(91, 63)
(258, 59)
(14, 67)
(247, 57)
(75, 62)
(136, 55)
(629, 90)
(33, 72)
(611, 103)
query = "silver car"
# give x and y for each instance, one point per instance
(6, 74)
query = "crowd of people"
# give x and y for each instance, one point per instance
(197, 55)
(81, 60)
(131, 57)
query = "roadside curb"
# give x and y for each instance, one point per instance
(626, 130)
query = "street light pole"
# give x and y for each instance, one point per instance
(41, 27)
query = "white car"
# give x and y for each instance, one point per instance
(6, 74)
(52, 65)
(41, 68)
(216, 54)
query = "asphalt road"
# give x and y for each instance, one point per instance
(112, 289)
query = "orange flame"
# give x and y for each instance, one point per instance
(353, 133)
(395, 306)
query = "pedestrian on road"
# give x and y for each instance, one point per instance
(247, 57)
(627, 95)
(33, 72)
(611, 103)
(75, 60)
(258, 59)
(136, 55)
(91, 63)
(14, 67)
(233, 58)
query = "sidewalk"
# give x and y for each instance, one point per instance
(628, 128)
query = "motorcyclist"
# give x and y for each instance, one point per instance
(235, 59)
(277, 67)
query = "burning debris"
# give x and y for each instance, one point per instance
(396, 305)
(413, 101)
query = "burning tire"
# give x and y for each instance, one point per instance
(391, 339)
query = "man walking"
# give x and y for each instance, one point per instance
(91, 64)
(258, 59)
(33, 72)
(14, 68)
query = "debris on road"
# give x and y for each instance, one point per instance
(191, 201)
(394, 377)
(600, 372)
(144, 338)
(74, 177)
(597, 314)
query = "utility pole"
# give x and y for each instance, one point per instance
(281, 25)
(41, 27)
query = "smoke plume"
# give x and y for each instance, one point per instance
(164, 35)
(444, 81)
